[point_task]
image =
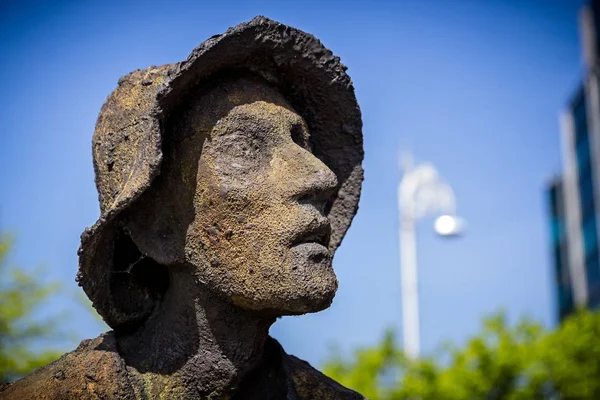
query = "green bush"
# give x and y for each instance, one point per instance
(501, 362)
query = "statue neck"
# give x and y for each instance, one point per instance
(194, 341)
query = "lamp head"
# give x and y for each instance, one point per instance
(449, 225)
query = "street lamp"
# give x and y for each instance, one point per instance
(449, 225)
(421, 193)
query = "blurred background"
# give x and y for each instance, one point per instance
(499, 98)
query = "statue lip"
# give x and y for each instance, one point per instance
(319, 231)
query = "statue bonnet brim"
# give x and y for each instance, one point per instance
(127, 140)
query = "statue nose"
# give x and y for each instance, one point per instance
(314, 180)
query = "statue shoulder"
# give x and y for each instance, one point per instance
(93, 370)
(312, 384)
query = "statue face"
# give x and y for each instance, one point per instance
(242, 200)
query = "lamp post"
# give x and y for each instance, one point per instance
(421, 193)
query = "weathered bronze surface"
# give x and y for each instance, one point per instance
(226, 183)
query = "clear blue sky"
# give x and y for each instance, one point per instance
(473, 86)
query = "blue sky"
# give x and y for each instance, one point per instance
(473, 86)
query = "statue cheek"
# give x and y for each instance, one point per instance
(280, 176)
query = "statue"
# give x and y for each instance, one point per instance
(226, 182)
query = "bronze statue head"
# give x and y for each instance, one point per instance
(242, 164)
(226, 183)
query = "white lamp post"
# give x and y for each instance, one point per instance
(421, 193)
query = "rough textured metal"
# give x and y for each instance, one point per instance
(226, 182)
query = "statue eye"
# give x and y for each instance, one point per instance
(300, 136)
(246, 144)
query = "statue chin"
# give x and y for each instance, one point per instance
(316, 283)
(302, 304)
(318, 300)
(304, 293)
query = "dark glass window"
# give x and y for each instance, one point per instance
(563, 283)
(565, 300)
(580, 117)
(553, 194)
(590, 236)
(592, 267)
(557, 230)
(592, 271)
(559, 249)
(594, 298)
(582, 152)
(586, 194)
(596, 17)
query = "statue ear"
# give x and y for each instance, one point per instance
(153, 230)
(157, 222)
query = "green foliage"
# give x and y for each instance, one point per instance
(371, 370)
(21, 294)
(501, 362)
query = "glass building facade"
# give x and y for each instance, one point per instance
(560, 248)
(585, 183)
(582, 237)
(594, 9)
(574, 199)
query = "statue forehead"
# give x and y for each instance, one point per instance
(229, 100)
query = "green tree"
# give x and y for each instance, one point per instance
(21, 294)
(501, 362)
